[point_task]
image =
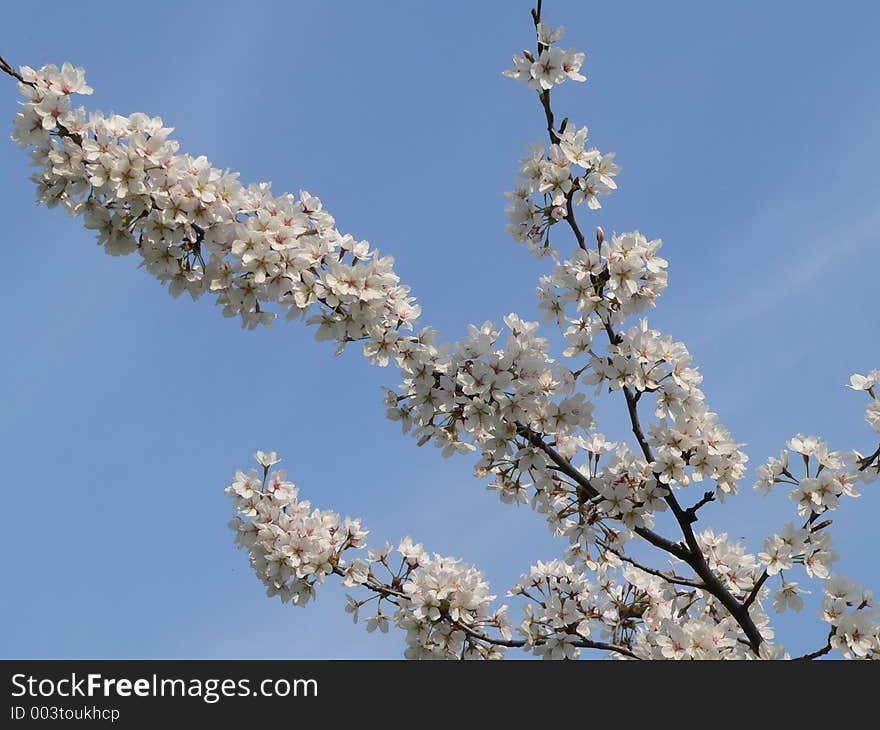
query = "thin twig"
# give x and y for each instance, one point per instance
(8, 68)
(676, 580)
(519, 643)
(866, 462)
(691, 512)
(819, 652)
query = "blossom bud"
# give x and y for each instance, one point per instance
(529, 55)
(600, 235)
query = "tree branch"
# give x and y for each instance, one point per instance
(589, 644)
(572, 222)
(691, 512)
(753, 594)
(866, 462)
(8, 68)
(819, 652)
(565, 466)
(520, 643)
(386, 590)
(674, 579)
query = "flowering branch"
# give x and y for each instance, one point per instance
(693, 554)
(441, 604)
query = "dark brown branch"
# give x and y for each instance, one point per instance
(589, 644)
(753, 594)
(632, 407)
(572, 223)
(692, 554)
(868, 460)
(8, 68)
(674, 579)
(819, 652)
(673, 548)
(536, 17)
(691, 512)
(564, 465)
(382, 589)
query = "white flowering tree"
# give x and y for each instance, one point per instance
(619, 586)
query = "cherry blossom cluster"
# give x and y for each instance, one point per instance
(604, 285)
(265, 254)
(292, 547)
(869, 383)
(690, 443)
(125, 177)
(446, 608)
(636, 612)
(834, 474)
(441, 603)
(553, 64)
(503, 401)
(595, 291)
(851, 611)
(681, 620)
(552, 182)
(627, 490)
(565, 609)
(827, 477)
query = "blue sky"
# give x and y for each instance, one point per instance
(747, 134)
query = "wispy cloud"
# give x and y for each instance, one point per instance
(762, 294)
